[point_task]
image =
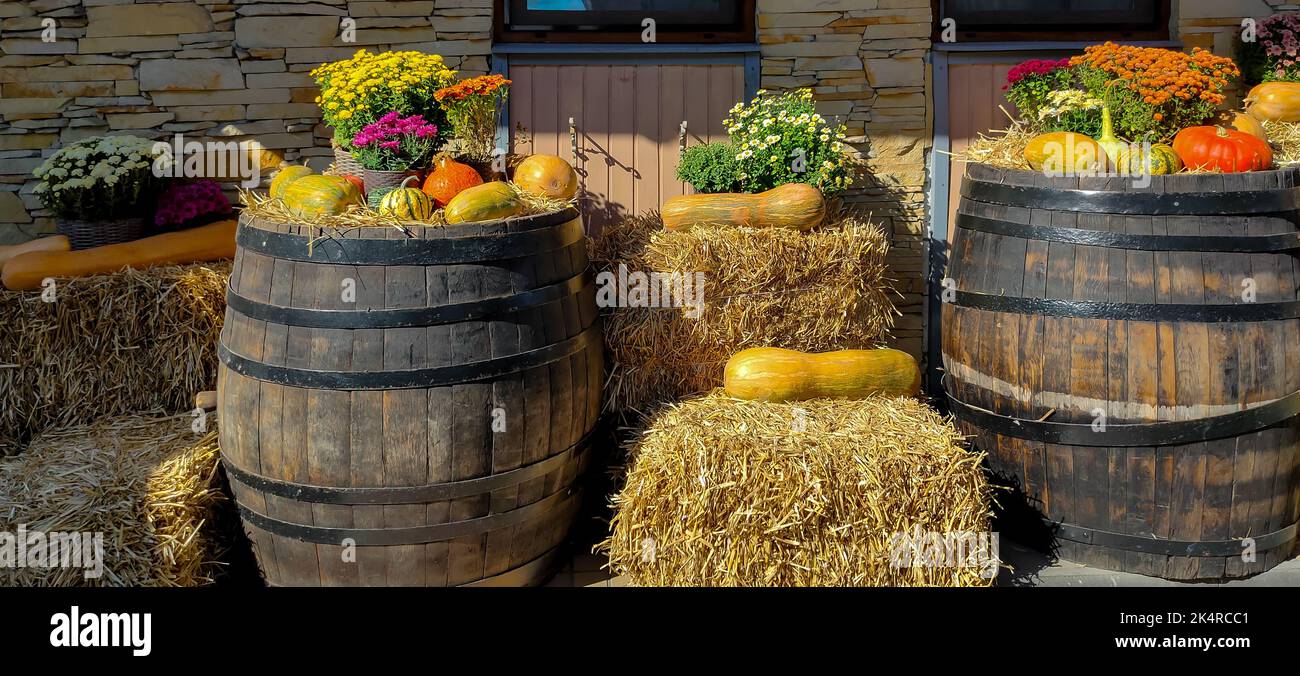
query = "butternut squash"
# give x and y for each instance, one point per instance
(797, 206)
(52, 243)
(210, 242)
(775, 374)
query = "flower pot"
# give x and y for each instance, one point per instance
(385, 180)
(89, 234)
(344, 162)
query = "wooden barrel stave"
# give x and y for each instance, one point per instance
(1185, 492)
(417, 436)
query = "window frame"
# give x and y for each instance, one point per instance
(1158, 29)
(743, 32)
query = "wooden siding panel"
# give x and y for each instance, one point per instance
(627, 117)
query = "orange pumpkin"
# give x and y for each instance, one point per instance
(1222, 150)
(448, 179)
(547, 176)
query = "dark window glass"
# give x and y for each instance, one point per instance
(580, 14)
(1051, 18)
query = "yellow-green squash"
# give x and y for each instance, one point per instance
(487, 202)
(1065, 153)
(318, 195)
(775, 374)
(407, 204)
(286, 176)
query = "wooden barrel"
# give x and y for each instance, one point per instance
(409, 408)
(1129, 358)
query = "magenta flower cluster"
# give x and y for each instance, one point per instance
(181, 203)
(1034, 67)
(1279, 35)
(395, 143)
(388, 131)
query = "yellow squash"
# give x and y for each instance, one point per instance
(775, 374)
(1276, 101)
(487, 202)
(1065, 153)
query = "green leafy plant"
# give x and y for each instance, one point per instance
(99, 179)
(780, 138)
(1070, 110)
(1031, 84)
(1153, 93)
(710, 168)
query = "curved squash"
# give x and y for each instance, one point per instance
(408, 204)
(775, 374)
(1065, 153)
(286, 176)
(318, 195)
(547, 176)
(797, 206)
(487, 202)
(211, 242)
(51, 243)
(1276, 101)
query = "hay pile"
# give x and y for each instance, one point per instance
(822, 290)
(263, 206)
(108, 345)
(724, 492)
(149, 484)
(1284, 137)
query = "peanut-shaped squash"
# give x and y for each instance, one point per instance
(797, 206)
(775, 374)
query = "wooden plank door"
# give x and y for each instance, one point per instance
(974, 95)
(627, 118)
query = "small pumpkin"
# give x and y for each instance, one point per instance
(286, 176)
(1222, 150)
(1157, 160)
(775, 374)
(797, 206)
(1065, 153)
(547, 176)
(407, 204)
(1274, 101)
(1241, 122)
(354, 180)
(448, 179)
(318, 195)
(487, 202)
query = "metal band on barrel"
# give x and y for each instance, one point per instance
(1277, 243)
(552, 231)
(1237, 202)
(437, 376)
(1164, 433)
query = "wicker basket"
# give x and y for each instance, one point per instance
(344, 162)
(89, 234)
(385, 180)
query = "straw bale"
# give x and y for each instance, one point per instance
(821, 290)
(108, 345)
(149, 483)
(725, 492)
